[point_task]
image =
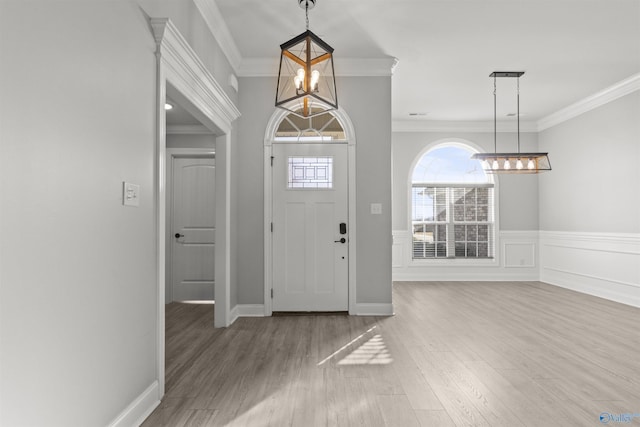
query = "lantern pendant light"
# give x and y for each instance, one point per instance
(306, 78)
(511, 162)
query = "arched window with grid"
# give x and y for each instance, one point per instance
(452, 212)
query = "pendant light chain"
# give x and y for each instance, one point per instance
(306, 12)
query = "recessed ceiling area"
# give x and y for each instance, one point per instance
(178, 116)
(185, 116)
(568, 49)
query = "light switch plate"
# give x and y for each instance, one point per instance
(376, 208)
(130, 194)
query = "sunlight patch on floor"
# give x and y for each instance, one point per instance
(370, 351)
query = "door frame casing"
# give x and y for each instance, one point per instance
(172, 154)
(178, 65)
(350, 140)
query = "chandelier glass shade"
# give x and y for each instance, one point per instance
(518, 163)
(514, 162)
(306, 78)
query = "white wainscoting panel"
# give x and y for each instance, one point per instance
(604, 265)
(516, 259)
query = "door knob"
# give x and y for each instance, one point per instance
(342, 240)
(178, 235)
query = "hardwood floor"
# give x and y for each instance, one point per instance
(455, 354)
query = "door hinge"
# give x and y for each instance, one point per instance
(272, 160)
(272, 227)
(271, 293)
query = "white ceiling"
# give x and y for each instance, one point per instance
(569, 49)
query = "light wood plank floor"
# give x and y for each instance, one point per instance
(456, 354)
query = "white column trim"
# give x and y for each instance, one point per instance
(179, 65)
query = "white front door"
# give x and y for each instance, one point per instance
(193, 228)
(310, 227)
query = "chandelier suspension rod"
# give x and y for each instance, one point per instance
(306, 12)
(495, 129)
(518, 110)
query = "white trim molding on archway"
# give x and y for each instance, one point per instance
(269, 139)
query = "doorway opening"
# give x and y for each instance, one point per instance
(182, 77)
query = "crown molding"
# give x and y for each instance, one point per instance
(589, 103)
(459, 126)
(218, 27)
(344, 67)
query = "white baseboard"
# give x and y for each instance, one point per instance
(599, 264)
(233, 315)
(246, 310)
(475, 275)
(250, 310)
(139, 409)
(364, 309)
(599, 287)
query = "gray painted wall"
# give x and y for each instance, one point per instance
(367, 100)
(594, 183)
(78, 292)
(78, 272)
(518, 194)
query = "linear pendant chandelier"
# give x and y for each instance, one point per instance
(511, 162)
(306, 78)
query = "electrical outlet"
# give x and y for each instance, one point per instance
(130, 194)
(376, 208)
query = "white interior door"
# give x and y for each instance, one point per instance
(193, 228)
(310, 247)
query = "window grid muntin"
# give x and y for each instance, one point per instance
(308, 172)
(324, 128)
(468, 236)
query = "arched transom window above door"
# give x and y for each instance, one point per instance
(321, 128)
(452, 205)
